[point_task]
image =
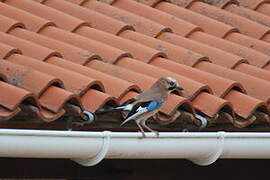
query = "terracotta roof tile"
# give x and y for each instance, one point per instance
(49, 13)
(179, 26)
(219, 85)
(8, 24)
(6, 51)
(264, 9)
(113, 86)
(254, 57)
(250, 83)
(74, 82)
(94, 54)
(32, 22)
(141, 24)
(18, 96)
(217, 56)
(176, 53)
(138, 51)
(100, 21)
(249, 14)
(214, 106)
(107, 53)
(220, 30)
(28, 78)
(239, 22)
(100, 99)
(28, 47)
(249, 42)
(252, 4)
(68, 51)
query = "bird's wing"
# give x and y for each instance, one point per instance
(143, 107)
(124, 107)
(139, 112)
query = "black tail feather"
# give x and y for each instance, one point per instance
(103, 111)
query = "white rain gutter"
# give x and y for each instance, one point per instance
(89, 148)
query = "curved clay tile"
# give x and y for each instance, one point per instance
(18, 96)
(249, 42)
(209, 25)
(252, 4)
(70, 52)
(250, 83)
(253, 71)
(28, 78)
(176, 53)
(41, 113)
(211, 105)
(65, 21)
(32, 22)
(6, 114)
(249, 14)
(245, 105)
(6, 51)
(55, 98)
(254, 57)
(107, 52)
(245, 113)
(99, 21)
(221, 4)
(264, 9)
(192, 88)
(141, 24)
(113, 86)
(219, 85)
(143, 81)
(217, 56)
(175, 103)
(3, 77)
(243, 24)
(28, 48)
(249, 109)
(266, 38)
(267, 67)
(137, 50)
(151, 3)
(8, 24)
(93, 100)
(178, 26)
(74, 82)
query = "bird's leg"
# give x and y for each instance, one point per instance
(141, 129)
(69, 123)
(148, 128)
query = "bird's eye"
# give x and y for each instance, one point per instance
(172, 83)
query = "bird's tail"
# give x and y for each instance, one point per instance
(117, 109)
(125, 121)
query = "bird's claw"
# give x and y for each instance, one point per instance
(157, 133)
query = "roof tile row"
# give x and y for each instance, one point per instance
(87, 63)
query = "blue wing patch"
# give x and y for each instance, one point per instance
(154, 105)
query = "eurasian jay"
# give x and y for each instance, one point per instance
(148, 103)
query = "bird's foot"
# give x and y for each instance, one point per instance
(157, 133)
(143, 135)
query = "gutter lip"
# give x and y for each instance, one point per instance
(102, 134)
(210, 147)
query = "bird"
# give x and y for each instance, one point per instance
(147, 104)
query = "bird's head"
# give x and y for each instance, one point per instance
(170, 84)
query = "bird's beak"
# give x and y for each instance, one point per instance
(179, 88)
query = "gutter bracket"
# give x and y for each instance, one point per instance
(100, 155)
(213, 157)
